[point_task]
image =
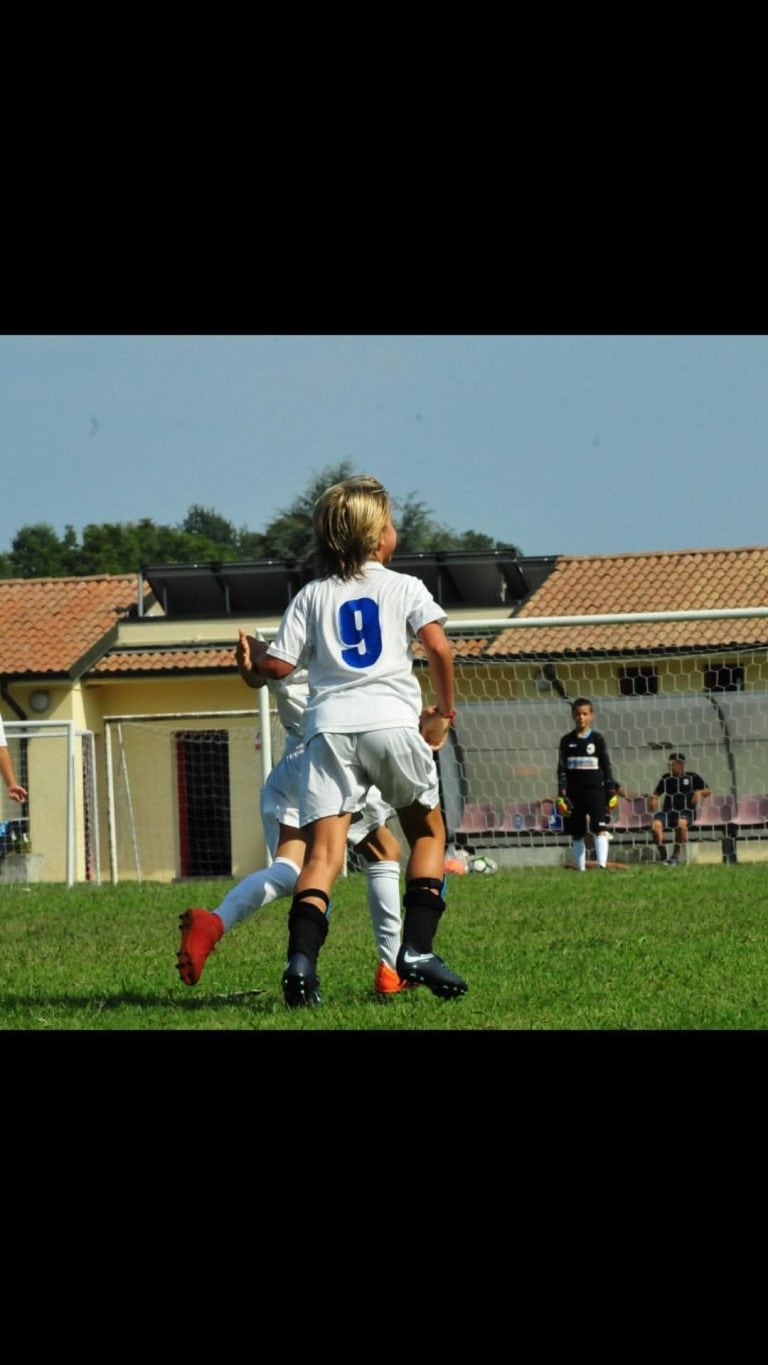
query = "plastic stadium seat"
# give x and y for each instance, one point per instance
(633, 813)
(519, 815)
(715, 810)
(752, 810)
(477, 818)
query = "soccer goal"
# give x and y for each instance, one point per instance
(54, 835)
(498, 772)
(182, 789)
(183, 792)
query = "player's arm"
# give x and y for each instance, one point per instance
(653, 799)
(613, 789)
(605, 765)
(247, 650)
(15, 790)
(562, 766)
(436, 720)
(273, 669)
(563, 802)
(700, 792)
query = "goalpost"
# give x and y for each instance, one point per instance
(55, 832)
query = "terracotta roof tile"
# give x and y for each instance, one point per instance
(461, 647)
(682, 580)
(47, 624)
(165, 661)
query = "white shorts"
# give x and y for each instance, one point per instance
(280, 802)
(374, 814)
(280, 796)
(340, 768)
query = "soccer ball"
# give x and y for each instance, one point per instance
(482, 863)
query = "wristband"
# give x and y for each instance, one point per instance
(446, 715)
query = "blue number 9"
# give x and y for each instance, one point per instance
(360, 629)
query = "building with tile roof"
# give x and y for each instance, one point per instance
(54, 627)
(80, 651)
(680, 580)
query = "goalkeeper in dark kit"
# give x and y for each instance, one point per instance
(587, 792)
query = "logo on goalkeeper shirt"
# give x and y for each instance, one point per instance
(576, 761)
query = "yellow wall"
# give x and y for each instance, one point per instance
(597, 678)
(150, 751)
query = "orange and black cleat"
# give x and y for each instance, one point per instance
(387, 981)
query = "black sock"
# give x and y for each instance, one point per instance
(422, 913)
(307, 926)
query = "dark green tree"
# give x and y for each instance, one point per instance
(418, 532)
(289, 535)
(250, 544)
(204, 537)
(206, 525)
(37, 552)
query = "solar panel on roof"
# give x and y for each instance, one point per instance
(455, 579)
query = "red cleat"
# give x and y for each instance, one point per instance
(200, 932)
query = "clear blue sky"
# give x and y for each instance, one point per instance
(559, 444)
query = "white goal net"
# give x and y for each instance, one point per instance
(183, 790)
(498, 773)
(54, 835)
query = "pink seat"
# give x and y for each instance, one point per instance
(715, 810)
(633, 813)
(752, 810)
(477, 818)
(519, 815)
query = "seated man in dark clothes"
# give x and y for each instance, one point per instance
(681, 791)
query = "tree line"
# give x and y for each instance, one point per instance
(203, 536)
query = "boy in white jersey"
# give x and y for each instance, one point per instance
(202, 929)
(353, 629)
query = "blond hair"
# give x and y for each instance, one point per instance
(349, 519)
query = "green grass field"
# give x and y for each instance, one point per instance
(645, 949)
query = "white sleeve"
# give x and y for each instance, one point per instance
(290, 642)
(423, 608)
(3, 741)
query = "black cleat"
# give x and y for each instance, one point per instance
(427, 969)
(300, 983)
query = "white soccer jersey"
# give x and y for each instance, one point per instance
(281, 794)
(290, 696)
(3, 743)
(356, 640)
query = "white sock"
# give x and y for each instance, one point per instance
(257, 889)
(580, 854)
(384, 905)
(601, 849)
